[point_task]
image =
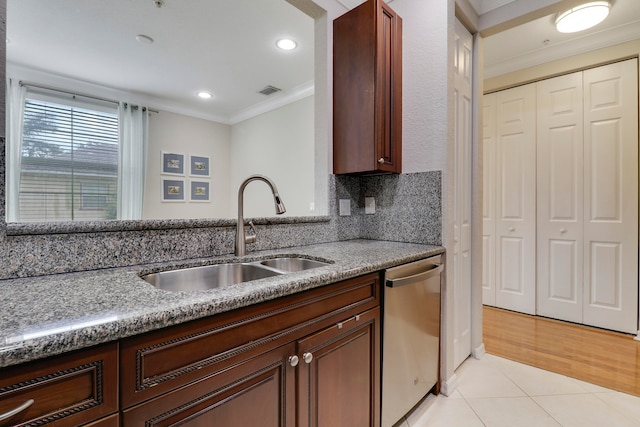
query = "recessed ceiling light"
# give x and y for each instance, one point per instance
(582, 17)
(143, 38)
(286, 44)
(205, 95)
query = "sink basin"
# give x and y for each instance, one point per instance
(292, 264)
(208, 277)
(217, 275)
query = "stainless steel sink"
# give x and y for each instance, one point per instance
(217, 275)
(208, 277)
(292, 264)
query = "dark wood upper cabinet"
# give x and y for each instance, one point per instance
(367, 90)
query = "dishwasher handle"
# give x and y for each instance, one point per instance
(414, 278)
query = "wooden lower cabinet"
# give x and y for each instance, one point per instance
(327, 379)
(257, 392)
(340, 386)
(68, 390)
(308, 359)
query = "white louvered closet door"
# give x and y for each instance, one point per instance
(611, 196)
(560, 198)
(515, 197)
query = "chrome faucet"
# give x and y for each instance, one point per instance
(241, 238)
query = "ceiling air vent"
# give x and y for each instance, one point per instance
(268, 90)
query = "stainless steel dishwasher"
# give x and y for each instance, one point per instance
(411, 336)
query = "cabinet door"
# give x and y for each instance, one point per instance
(257, 392)
(389, 87)
(339, 374)
(67, 390)
(367, 87)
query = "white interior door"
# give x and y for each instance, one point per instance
(488, 199)
(516, 204)
(560, 197)
(462, 198)
(611, 196)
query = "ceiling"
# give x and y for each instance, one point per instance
(226, 47)
(538, 42)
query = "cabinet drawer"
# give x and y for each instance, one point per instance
(67, 390)
(164, 360)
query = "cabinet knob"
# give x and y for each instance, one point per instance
(563, 230)
(512, 229)
(293, 360)
(308, 357)
(16, 411)
(381, 160)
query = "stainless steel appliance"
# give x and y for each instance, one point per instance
(411, 336)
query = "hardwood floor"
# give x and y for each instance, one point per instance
(605, 358)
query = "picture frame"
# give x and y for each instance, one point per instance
(173, 190)
(172, 163)
(200, 191)
(199, 166)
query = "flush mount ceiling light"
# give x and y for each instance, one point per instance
(582, 17)
(205, 95)
(286, 44)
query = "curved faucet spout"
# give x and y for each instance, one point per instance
(241, 238)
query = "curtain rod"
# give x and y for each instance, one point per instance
(38, 86)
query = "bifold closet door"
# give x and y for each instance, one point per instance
(611, 196)
(488, 199)
(515, 197)
(587, 196)
(560, 197)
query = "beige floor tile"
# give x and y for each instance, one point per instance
(583, 410)
(445, 412)
(484, 380)
(538, 382)
(511, 412)
(626, 404)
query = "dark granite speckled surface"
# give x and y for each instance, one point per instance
(50, 315)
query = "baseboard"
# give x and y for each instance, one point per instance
(479, 351)
(449, 386)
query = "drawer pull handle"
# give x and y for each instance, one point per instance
(308, 357)
(293, 360)
(16, 411)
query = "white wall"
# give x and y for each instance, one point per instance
(172, 132)
(428, 140)
(280, 145)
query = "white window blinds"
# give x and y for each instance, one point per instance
(69, 167)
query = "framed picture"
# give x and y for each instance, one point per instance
(172, 190)
(172, 163)
(199, 166)
(199, 191)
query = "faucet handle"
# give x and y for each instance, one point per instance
(251, 238)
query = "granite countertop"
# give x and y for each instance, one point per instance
(48, 315)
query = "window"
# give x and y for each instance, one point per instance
(69, 164)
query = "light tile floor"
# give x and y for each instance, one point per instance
(496, 392)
